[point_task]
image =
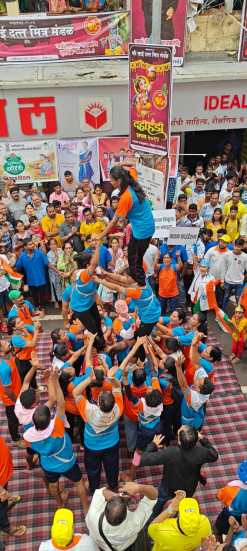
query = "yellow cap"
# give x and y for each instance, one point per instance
(225, 238)
(63, 528)
(239, 308)
(189, 516)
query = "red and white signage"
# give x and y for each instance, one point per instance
(95, 114)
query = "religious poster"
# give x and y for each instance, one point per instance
(150, 98)
(173, 19)
(28, 162)
(81, 157)
(61, 38)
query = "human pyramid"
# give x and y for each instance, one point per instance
(126, 352)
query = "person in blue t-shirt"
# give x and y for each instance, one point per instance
(33, 263)
(133, 205)
(101, 434)
(80, 296)
(48, 438)
(195, 398)
(104, 254)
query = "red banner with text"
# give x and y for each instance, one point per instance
(63, 38)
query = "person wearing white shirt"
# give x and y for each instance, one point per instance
(235, 272)
(207, 210)
(183, 181)
(217, 258)
(151, 258)
(243, 226)
(63, 536)
(226, 190)
(110, 520)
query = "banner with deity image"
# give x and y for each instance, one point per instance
(150, 98)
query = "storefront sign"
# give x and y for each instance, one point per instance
(150, 98)
(164, 220)
(174, 156)
(30, 38)
(81, 157)
(183, 236)
(173, 20)
(95, 114)
(209, 106)
(29, 162)
(242, 52)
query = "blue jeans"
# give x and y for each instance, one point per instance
(168, 305)
(231, 289)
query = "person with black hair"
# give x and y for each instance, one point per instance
(81, 295)
(48, 438)
(195, 397)
(24, 341)
(10, 385)
(133, 205)
(148, 410)
(172, 398)
(182, 463)
(101, 435)
(111, 523)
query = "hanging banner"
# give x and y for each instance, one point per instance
(242, 52)
(111, 152)
(150, 98)
(173, 19)
(32, 38)
(29, 162)
(174, 156)
(81, 157)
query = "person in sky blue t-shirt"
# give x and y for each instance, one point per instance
(101, 434)
(48, 438)
(80, 296)
(133, 205)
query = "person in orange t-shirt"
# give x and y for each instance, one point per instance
(10, 386)
(168, 285)
(6, 499)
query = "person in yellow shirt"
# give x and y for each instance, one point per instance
(90, 225)
(235, 201)
(51, 223)
(216, 223)
(180, 527)
(232, 223)
(239, 334)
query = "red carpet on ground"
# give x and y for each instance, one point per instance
(226, 427)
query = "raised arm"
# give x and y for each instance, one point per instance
(94, 261)
(78, 390)
(58, 392)
(112, 286)
(140, 341)
(30, 374)
(88, 358)
(181, 377)
(194, 354)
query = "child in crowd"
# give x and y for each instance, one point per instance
(239, 334)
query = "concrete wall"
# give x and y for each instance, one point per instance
(215, 32)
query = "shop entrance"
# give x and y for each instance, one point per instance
(212, 143)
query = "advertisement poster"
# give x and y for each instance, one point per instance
(150, 98)
(174, 156)
(242, 52)
(173, 19)
(29, 162)
(111, 152)
(63, 38)
(81, 157)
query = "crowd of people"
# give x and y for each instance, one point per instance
(132, 364)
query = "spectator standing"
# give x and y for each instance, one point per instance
(59, 195)
(235, 201)
(54, 275)
(234, 275)
(69, 184)
(110, 522)
(69, 231)
(51, 223)
(168, 285)
(39, 206)
(16, 204)
(216, 223)
(6, 499)
(208, 209)
(217, 258)
(33, 263)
